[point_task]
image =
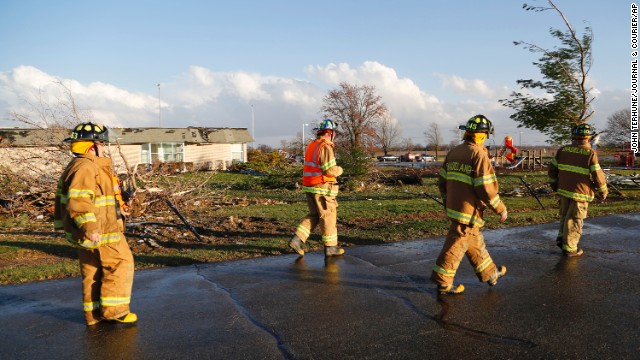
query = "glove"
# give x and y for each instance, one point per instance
(601, 196)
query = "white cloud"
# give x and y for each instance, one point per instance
(273, 107)
(97, 101)
(463, 86)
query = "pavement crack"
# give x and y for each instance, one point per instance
(282, 347)
(439, 319)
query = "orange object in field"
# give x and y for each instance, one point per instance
(508, 143)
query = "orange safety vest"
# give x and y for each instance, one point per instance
(118, 194)
(312, 173)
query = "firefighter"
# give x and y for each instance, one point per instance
(87, 209)
(468, 185)
(576, 176)
(319, 182)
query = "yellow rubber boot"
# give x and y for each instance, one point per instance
(127, 319)
(451, 289)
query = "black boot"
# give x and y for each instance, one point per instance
(500, 272)
(296, 244)
(333, 251)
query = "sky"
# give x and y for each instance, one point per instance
(266, 65)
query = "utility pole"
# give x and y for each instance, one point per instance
(303, 148)
(159, 116)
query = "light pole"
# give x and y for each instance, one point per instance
(159, 118)
(303, 148)
(520, 141)
(253, 131)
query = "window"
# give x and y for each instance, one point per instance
(164, 152)
(236, 153)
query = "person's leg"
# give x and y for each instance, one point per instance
(563, 207)
(577, 212)
(306, 226)
(91, 271)
(310, 221)
(117, 279)
(328, 219)
(478, 255)
(454, 248)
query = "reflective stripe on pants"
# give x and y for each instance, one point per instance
(572, 215)
(462, 240)
(107, 279)
(323, 212)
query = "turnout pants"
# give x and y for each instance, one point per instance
(107, 279)
(323, 212)
(462, 240)
(572, 215)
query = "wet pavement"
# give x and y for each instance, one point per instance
(374, 303)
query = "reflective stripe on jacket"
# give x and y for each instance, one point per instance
(576, 173)
(317, 160)
(468, 184)
(85, 202)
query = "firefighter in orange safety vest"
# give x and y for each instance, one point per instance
(88, 208)
(319, 182)
(576, 176)
(468, 185)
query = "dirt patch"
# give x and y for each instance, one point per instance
(217, 230)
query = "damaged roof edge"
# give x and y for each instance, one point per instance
(132, 135)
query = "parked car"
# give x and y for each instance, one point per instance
(427, 158)
(389, 158)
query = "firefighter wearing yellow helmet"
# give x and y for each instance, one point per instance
(576, 176)
(468, 185)
(319, 182)
(87, 209)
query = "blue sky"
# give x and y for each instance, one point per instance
(431, 61)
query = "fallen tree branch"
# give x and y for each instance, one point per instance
(184, 220)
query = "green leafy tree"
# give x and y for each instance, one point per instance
(562, 100)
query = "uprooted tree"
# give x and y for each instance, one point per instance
(563, 99)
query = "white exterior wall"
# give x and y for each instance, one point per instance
(39, 160)
(211, 156)
(130, 152)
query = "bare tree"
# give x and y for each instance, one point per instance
(356, 109)
(618, 128)
(407, 144)
(387, 132)
(51, 117)
(44, 161)
(434, 137)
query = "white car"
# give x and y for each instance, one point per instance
(389, 158)
(427, 158)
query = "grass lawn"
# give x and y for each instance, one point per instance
(242, 216)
